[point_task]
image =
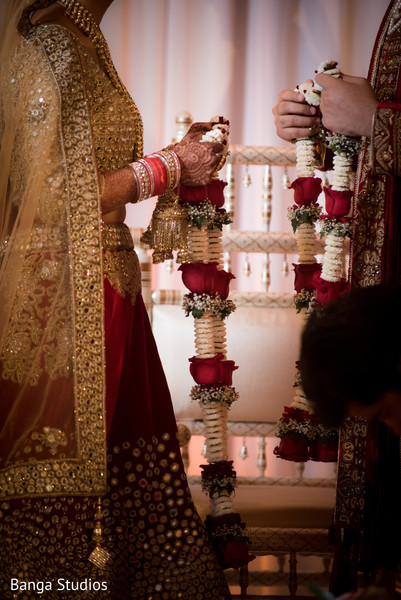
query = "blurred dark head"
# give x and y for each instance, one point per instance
(350, 355)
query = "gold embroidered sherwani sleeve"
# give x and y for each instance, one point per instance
(386, 139)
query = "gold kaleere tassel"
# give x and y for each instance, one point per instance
(99, 556)
(168, 229)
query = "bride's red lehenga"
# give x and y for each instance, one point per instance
(85, 411)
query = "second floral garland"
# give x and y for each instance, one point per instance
(302, 437)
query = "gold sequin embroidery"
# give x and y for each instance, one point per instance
(121, 265)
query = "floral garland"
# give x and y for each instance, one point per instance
(336, 224)
(302, 438)
(207, 301)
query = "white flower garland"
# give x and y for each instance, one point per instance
(344, 149)
(305, 231)
(205, 246)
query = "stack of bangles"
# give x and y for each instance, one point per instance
(156, 173)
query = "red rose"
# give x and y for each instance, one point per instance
(200, 278)
(232, 554)
(212, 370)
(231, 548)
(294, 413)
(338, 203)
(290, 449)
(215, 192)
(306, 190)
(193, 194)
(327, 451)
(304, 274)
(327, 291)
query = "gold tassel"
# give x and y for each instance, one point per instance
(99, 556)
(168, 229)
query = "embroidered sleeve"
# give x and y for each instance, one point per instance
(386, 139)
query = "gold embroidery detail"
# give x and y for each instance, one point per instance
(31, 327)
(383, 151)
(120, 261)
(51, 438)
(116, 236)
(367, 247)
(82, 267)
(113, 129)
(151, 529)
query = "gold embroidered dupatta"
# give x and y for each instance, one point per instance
(52, 380)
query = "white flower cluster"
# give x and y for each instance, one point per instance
(303, 214)
(205, 214)
(198, 304)
(211, 486)
(323, 432)
(303, 428)
(303, 299)
(220, 219)
(227, 532)
(328, 67)
(310, 92)
(218, 133)
(214, 135)
(338, 228)
(201, 213)
(342, 144)
(207, 395)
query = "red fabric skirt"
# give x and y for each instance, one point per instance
(150, 527)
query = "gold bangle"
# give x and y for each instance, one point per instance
(137, 185)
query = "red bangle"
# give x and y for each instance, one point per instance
(159, 173)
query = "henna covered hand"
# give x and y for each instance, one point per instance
(199, 160)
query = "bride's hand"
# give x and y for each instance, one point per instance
(199, 160)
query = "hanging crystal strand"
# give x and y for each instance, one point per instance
(215, 246)
(261, 460)
(247, 266)
(204, 336)
(244, 450)
(267, 197)
(286, 179)
(169, 266)
(197, 243)
(246, 180)
(220, 337)
(284, 266)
